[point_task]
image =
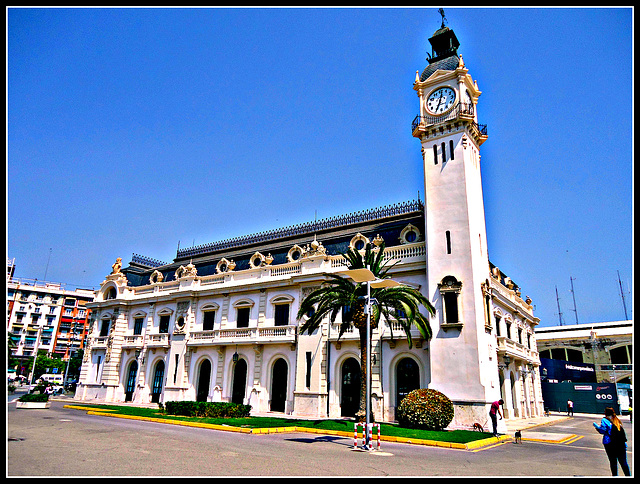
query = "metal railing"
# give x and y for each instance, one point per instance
(461, 110)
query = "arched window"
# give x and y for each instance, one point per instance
(407, 378)
(239, 382)
(279, 385)
(203, 381)
(350, 390)
(158, 377)
(131, 381)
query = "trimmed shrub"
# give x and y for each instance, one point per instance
(34, 397)
(207, 409)
(425, 408)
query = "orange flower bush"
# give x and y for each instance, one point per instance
(425, 408)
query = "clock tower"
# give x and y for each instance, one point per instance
(462, 357)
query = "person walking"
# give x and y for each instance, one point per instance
(493, 413)
(570, 408)
(614, 440)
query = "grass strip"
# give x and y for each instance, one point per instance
(389, 432)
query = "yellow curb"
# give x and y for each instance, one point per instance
(95, 409)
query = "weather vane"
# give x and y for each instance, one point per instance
(441, 12)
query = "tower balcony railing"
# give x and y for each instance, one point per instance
(465, 111)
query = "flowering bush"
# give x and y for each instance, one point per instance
(425, 408)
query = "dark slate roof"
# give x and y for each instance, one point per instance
(335, 234)
(446, 64)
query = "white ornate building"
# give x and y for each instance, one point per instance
(219, 322)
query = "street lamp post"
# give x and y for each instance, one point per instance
(365, 275)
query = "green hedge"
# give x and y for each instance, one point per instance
(34, 397)
(425, 409)
(208, 409)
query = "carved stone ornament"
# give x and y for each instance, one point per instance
(256, 260)
(117, 266)
(410, 234)
(378, 241)
(225, 266)
(358, 242)
(156, 277)
(315, 248)
(190, 270)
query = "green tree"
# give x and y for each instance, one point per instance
(45, 364)
(400, 305)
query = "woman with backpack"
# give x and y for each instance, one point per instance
(614, 441)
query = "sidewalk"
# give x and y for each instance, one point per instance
(514, 424)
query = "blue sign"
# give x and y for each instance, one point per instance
(557, 371)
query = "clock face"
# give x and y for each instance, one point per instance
(441, 100)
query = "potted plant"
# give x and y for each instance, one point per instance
(34, 400)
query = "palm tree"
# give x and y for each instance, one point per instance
(400, 304)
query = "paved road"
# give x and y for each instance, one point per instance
(66, 442)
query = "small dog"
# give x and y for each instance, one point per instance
(518, 436)
(477, 427)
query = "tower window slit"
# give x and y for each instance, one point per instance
(444, 153)
(435, 154)
(451, 148)
(448, 237)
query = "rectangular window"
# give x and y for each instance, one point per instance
(444, 152)
(451, 307)
(497, 326)
(448, 236)
(435, 154)
(207, 321)
(137, 325)
(104, 329)
(451, 148)
(243, 317)
(164, 324)
(281, 315)
(308, 375)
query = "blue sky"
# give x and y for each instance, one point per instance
(135, 130)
